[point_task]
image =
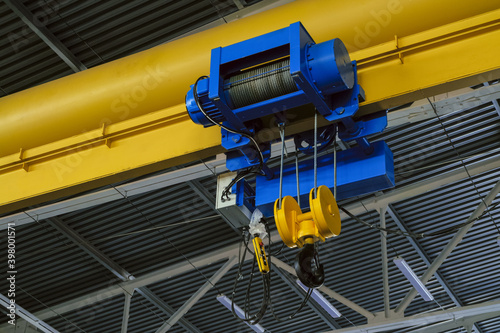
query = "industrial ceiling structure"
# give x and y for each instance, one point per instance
(115, 222)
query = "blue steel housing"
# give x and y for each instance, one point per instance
(278, 71)
(357, 174)
(319, 71)
(323, 75)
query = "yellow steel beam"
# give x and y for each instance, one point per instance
(159, 78)
(431, 62)
(112, 153)
(408, 67)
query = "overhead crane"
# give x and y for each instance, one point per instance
(60, 140)
(267, 75)
(271, 75)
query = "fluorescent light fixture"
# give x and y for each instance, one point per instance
(322, 301)
(413, 278)
(227, 303)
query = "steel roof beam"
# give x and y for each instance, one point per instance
(46, 35)
(486, 310)
(209, 284)
(166, 308)
(421, 44)
(312, 303)
(21, 326)
(450, 246)
(328, 291)
(462, 99)
(239, 4)
(92, 251)
(425, 258)
(126, 312)
(468, 323)
(385, 263)
(174, 270)
(494, 100)
(119, 272)
(29, 317)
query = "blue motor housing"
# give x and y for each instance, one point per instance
(274, 72)
(207, 105)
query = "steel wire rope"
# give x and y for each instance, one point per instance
(335, 163)
(282, 135)
(446, 231)
(82, 255)
(315, 153)
(399, 232)
(167, 239)
(297, 174)
(463, 165)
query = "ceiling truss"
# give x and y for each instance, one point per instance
(464, 316)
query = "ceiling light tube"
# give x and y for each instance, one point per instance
(227, 303)
(413, 278)
(322, 301)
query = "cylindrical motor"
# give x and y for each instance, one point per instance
(208, 106)
(330, 67)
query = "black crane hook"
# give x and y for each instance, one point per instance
(308, 268)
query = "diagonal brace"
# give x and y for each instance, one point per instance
(197, 295)
(450, 247)
(328, 291)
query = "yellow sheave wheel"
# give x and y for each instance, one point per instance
(325, 212)
(286, 220)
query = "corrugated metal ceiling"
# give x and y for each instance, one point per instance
(149, 231)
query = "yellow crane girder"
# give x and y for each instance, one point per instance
(127, 118)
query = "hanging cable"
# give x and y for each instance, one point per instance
(167, 239)
(447, 231)
(242, 174)
(463, 165)
(246, 135)
(335, 163)
(301, 306)
(315, 153)
(297, 175)
(282, 135)
(266, 302)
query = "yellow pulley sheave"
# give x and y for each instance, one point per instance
(295, 227)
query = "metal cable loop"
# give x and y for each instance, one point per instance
(282, 134)
(297, 174)
(315, 154)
